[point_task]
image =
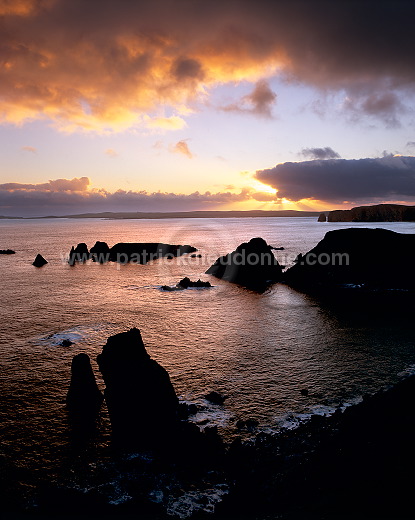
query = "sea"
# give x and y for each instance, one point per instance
(278, 357)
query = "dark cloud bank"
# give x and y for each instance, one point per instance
(333, 181)
(338, 180)
(65, 197)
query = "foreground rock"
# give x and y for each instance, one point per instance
(84, 398)
(252, 265)
(39, 261)
(356, 464)
(144, 409)
(141, 400)
(357, 258)
(377, 213)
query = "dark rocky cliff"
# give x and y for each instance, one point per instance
(378, 213)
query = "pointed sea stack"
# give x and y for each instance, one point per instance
(141, 400)
(39, 261)
(252, 265)
(84, 399)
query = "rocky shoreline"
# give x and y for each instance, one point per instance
(356, 463)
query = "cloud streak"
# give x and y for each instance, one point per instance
(340, 180)
(259, 102)
(30, 149)
(107, 66)
(320, 153)
(57, 185)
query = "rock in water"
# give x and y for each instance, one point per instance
(185, 283)
(252, 265)
(322, 217)
(141, 400)
(373, 258)
(100, 252)
(143, 252)
(39, 261)
(84, 398)
(79, 254)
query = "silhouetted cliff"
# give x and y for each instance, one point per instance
(371, 258)
(378, 213)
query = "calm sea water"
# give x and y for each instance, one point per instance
(259, 350)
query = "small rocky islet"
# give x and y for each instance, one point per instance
(124, 252)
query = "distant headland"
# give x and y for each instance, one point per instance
(183, 214)
(377, 213)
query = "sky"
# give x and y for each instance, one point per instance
(182, 105)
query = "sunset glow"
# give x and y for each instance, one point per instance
(188, 95)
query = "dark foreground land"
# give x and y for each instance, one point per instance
(358, 464)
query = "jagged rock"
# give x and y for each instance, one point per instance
(172, 288)
(215, 397)
(84, 398)
(79, 254)
(252, 265)
(186, 283)
(7, 252)
(100, 252)
(376, 213)
(322, 217)
(142, 253)
(141, 400)
(39, 261)
(357, 258)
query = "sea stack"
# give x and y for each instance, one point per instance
(100, 252)
(141, 400)
(79, 254)
(39, 261)
(322, 217)
(252, 265)
(84, 399)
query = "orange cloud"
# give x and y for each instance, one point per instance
(182, 148)
(108, 66)
(58, 185)
(30, 149)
